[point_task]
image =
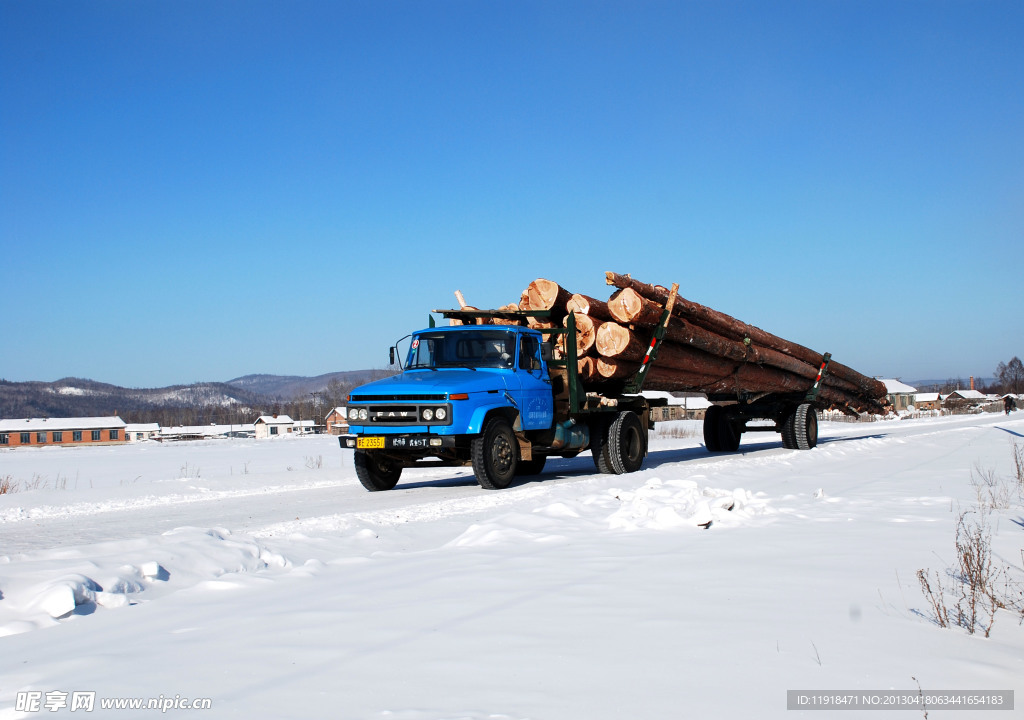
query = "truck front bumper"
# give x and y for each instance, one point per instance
(404, 441)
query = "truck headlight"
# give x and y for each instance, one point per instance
(428, 414)
(363, 414)
(353, 413)
(440, 413)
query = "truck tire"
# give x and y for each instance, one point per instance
(711, 416)
(376, 472)
(531, 467)
(599, 447)
(805, 426)
(627, 443)
(495, 455)
(720, 432)
(789, 431)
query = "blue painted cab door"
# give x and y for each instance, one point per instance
(538, 406)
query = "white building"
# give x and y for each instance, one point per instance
(267, 426)
(304, 427)
(135, 432)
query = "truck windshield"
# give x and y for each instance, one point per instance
(465, 348)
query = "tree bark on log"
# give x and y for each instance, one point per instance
(678, 365)
(734, 329)
(685, 333)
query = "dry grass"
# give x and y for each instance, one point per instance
(675, 430)
(976, 588)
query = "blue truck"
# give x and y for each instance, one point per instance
(497, 397)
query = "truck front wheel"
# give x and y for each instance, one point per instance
(376, 472)
(495, 455)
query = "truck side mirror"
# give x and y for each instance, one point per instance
(546, 351)
(391, 354)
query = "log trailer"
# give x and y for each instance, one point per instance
(494, 396)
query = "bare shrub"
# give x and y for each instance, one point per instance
(935, 597)
(1018, 463)
(314, 463)
(675, 431)
(7, 485)
(976, 581)
(979, 599)
(993, 491)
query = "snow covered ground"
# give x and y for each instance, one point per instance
(260, 576)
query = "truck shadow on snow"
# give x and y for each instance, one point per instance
(558, 468)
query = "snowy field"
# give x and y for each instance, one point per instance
(260, 577)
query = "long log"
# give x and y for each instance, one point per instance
(678, 365)
(638, 311)
(587, 369)
(734, 329)
(586, 332)
(589, 306)
(547, 295)
(766, 379)
(628, 306)
(617, 341)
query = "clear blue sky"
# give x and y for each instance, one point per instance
(197, 190)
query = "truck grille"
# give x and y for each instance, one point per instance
(399, 398)
(410, 414)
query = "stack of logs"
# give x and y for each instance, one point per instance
(703, 350)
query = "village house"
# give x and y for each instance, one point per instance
(963, 400)
(40, 432)
(336, 422)
(928, 401)
(267, 426)
(899, 395)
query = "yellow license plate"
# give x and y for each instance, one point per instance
(369, 443)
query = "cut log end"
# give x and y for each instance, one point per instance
(547, 295)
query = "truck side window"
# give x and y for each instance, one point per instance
(529, 353)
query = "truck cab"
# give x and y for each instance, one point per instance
(455, 381)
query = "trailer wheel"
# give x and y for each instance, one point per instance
(627, 443)
(375, 471)
(531, 467)
(720, 433)
(805, 427)
(711, 416)
(495, 454)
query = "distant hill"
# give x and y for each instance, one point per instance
(288, 386)
(78, 397)
(236, 400)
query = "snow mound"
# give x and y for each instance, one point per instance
(511, 528)
(49, 587)
(667, 505)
